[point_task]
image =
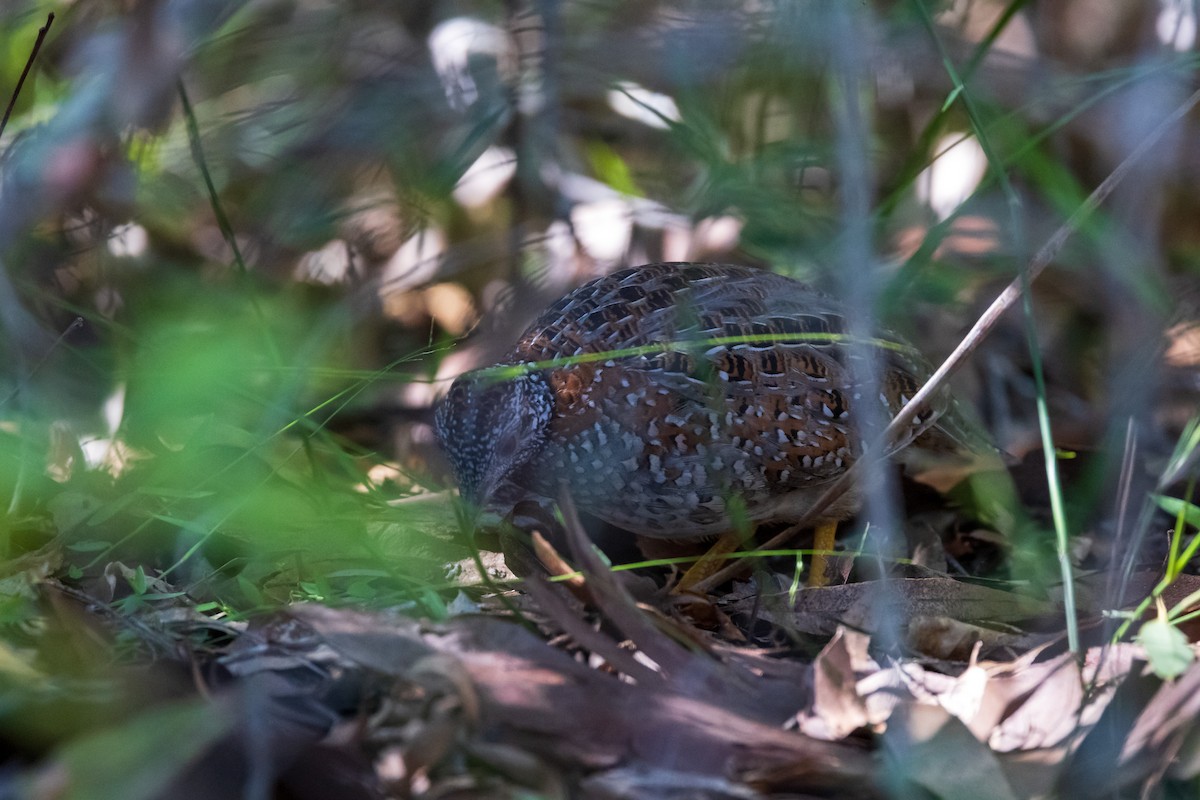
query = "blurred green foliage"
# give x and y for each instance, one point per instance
(217, 435)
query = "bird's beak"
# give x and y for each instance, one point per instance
(474, 498)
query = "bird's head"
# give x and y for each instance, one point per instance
(490, 426)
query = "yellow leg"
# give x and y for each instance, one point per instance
(710, 562)
(824, 536)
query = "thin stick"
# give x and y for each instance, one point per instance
(37, 45)
(982, 327)
(214, 200)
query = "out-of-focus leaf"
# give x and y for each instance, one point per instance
(140, 758)
(611, 168)
(16, 666)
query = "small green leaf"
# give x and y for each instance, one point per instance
(434, 605)
(138, 580)
(1166, 648)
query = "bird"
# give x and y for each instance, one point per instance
(678, 401)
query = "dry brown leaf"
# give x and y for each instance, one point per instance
(1058, 706)
(965, 697)
(1167, 718)
(1049, 714)
(1183, 345)
(837, 709)
(1150, 725)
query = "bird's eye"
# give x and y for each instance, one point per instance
(506, 447)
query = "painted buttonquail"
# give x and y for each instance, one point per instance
(671, 399)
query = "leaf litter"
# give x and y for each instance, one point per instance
(596, 683)
(604, 690)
